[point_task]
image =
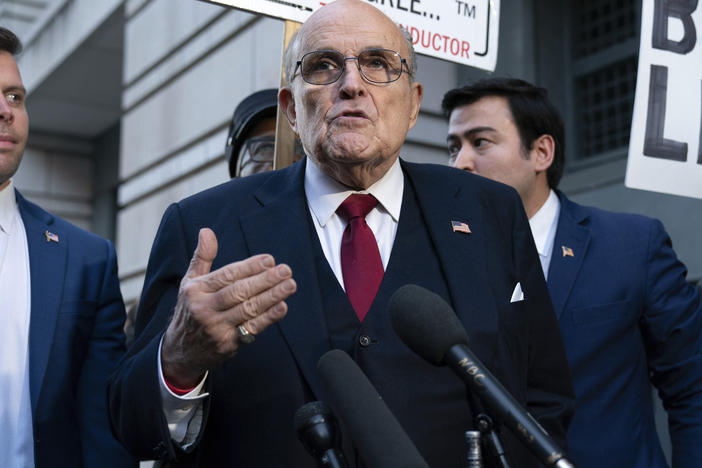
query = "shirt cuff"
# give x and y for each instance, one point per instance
(183, 412)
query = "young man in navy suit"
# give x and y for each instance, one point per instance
(628, 316)
(61, 317)
(269, 263)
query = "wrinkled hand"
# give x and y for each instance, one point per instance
(210, 306)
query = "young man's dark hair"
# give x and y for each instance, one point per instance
(9, 42)
(533, 114)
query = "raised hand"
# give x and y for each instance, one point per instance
(213, 304)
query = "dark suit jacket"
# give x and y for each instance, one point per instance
(627, 314)
(249, 415)
(75, 342)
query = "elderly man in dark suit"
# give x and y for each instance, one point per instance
(61, 316)
(197, 389)
(628, 316)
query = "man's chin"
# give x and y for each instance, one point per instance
(8, 167)
(348, 148)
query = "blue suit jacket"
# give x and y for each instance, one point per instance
(249, 414)
(627, 314)
(75, 341)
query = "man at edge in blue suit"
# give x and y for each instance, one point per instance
(627, 314)
(61, 316)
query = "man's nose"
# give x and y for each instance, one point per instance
(352, 82)
(465, 160)
(5, 109)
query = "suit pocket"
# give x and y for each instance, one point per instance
(514, 334)
(604, 313)
(513, 314)
(82, 307)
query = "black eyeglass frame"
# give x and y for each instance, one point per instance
(403, 61)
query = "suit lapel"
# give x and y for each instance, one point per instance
(461, 255)
(47, 266)
(574, 235)
(282, 228)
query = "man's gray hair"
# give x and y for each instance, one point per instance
(292, 54)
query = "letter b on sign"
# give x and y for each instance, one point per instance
(681, 9)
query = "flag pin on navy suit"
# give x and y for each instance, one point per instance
(51, 237)
(459, 226)
(567, 251)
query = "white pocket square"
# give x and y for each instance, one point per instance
(517, 294)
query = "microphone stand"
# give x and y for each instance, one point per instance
(486, 426)
(487, 429)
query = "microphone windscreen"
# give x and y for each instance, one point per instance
(307, 412)
(425, 322)
(381, 441)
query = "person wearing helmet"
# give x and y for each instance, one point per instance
(251, 137)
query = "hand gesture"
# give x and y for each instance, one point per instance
(213, 305)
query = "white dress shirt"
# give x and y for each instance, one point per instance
(16, 438)
(324, 195)
(543, 227)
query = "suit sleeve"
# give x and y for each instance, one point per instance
(550, 396)
(672, 330)
(134, 397)
(105, 348)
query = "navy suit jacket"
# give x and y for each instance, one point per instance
(249, 414)
(75, 341)
(629, 318)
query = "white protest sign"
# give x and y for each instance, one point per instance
(665, 151)
(462, 31)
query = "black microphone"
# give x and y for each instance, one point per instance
(318, 431)
(381, 441)
(428, 326)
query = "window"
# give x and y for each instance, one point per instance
(604, 56)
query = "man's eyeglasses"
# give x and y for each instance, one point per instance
(321, 67)
(256, 155)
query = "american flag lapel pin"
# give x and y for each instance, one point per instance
(51, 237)
(459, 226)
(567, 251)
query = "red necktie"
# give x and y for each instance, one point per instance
(361, 265)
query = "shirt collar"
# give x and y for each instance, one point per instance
(325, 194)
(8, 207)
(542, 223)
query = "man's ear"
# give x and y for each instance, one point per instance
(416, 94)
(286, 102)
(542, 152)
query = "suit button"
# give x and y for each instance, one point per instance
(364, 340)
